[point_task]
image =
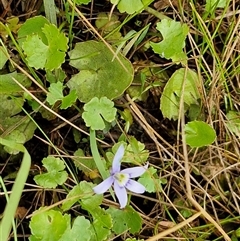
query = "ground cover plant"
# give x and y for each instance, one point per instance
(119, 120)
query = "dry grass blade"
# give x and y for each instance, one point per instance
(97, 33)
(152, 133)
(175, 228)
(55, 113)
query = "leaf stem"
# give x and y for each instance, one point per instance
(9, 212)
(96, 156)
(157, 14)
(98, 160)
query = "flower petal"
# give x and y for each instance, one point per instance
(117, 159)
(104, 185)
(135, 171)
(134, 186)
(121, 194)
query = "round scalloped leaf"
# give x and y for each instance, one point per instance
(50, 56)
(123, 220)
(98, 110)
(33, 26)
(49, 223)
(132, 6)
(199, 133)
(100, 73)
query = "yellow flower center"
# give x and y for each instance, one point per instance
(122, 178)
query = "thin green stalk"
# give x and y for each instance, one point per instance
(70, 33)
(10, 210)
(50, 11)
(99, 163)
(129, 17)
(52, 145)
(7, 199)
(208, 45)
(157, 14)
(96, 156)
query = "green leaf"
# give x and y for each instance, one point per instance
(174, 35)
(89, 200)
(47, 114)
(238, 232)
(211, 5)
(51, 225)
(102, 223)
(233, 122)
(134, 239)
(81, 231)
(58, 75)
(98, 110)
(123, 220)
(17, 137)
(82, 1)
(9, 122)
(69, 100)
(33, 26)
(77, 136)
(99, 74)
(86, 164)
(12, 24)
(57, 43)
(234, 237)
(172, 93)
(48, 225)
(199, 133)
(3, 57)
(195, 112)
(82, 192)
(138, 87)
(126, 115)
(150, 180)
(27, 127)
(131, 7)
(184, 210)
(36, 51)
(55, 175)
(55, 93)
(135, 152)
(9, 86)
(186, 213)
(41, 55)
(107, 24)
(23, 130)
(20, 123)
(10, 106)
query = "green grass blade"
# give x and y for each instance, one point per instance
(9, 212)
(50, 11)
(7, 199)
(99, 163)
(96, 156)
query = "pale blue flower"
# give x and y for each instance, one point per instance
(122, 180)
